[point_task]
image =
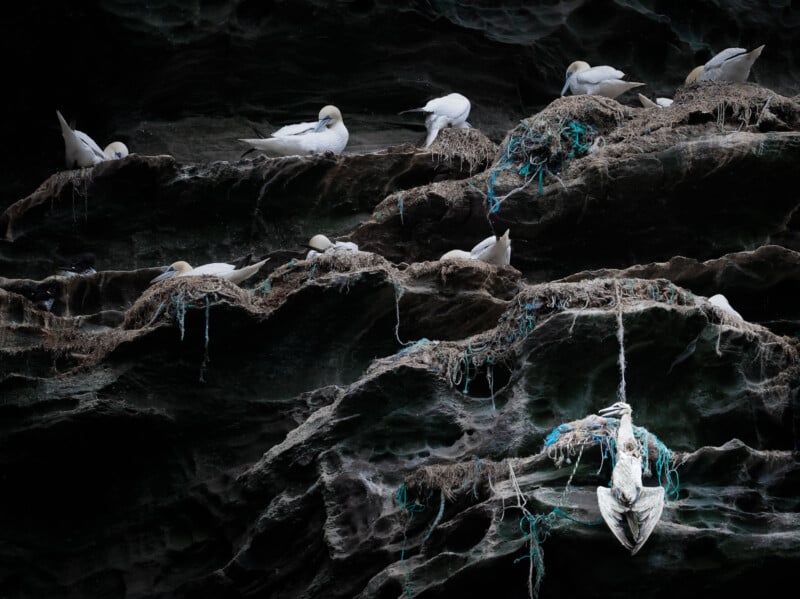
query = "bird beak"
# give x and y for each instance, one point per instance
(610, 410)
(322, 124)
(164, 275)
(566, 85)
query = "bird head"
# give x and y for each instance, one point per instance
(174, 269)
(329, 114)
(319, 242)
(115, 150)
(618, 409)
(694, 75)
(578, 65)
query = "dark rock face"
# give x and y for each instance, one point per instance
(384, 423)
(188, 80)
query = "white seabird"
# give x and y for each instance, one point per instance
(493, 250)
(115, 150)
(720, 301)
(599, 81)
(320, 244)
(659, 103)
(219, 269)
(628, 502)
(732, 64)
(451, 110)
(80, 150)
(328, 134)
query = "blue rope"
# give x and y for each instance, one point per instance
(437, 518)
(401, 496)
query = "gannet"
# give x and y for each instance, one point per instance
(732, 64)
(219, 269)
(628, 502)
(721, 301)
(599, 81)
(328, 134)
(320, 244)
(494, 250)
(80, 150)
(451, 110)
(659, 103)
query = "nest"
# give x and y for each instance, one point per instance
(171, 298)
(471, 148)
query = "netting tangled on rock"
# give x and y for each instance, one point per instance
(483, 353)
(539, 147)
(479, 480)
(170, 300)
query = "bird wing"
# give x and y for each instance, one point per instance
(613, 514)
(725, 55)
(483, 246)
(595, 75)
(454, 107)
(237, 276)
(90, 144)
(279, 146)
(296, 129)
(647, 511)
(215, 268)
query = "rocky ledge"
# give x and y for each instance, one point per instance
(382, 423)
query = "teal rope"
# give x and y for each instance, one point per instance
(400, 207)
(401, 496)
(539, 528)
(438, 517)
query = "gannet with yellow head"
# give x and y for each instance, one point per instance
(218, 269)
(81, 151)
(328, 134)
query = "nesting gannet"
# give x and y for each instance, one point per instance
(494, 250)
(451, 110)
(320, 244)
(720, 301)
(219, 269)
(599, 81)
(80, 150)
(328, 134)
(659, 103)
(630, 509)
(732, 64)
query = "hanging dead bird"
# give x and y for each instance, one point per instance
(629, 509)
